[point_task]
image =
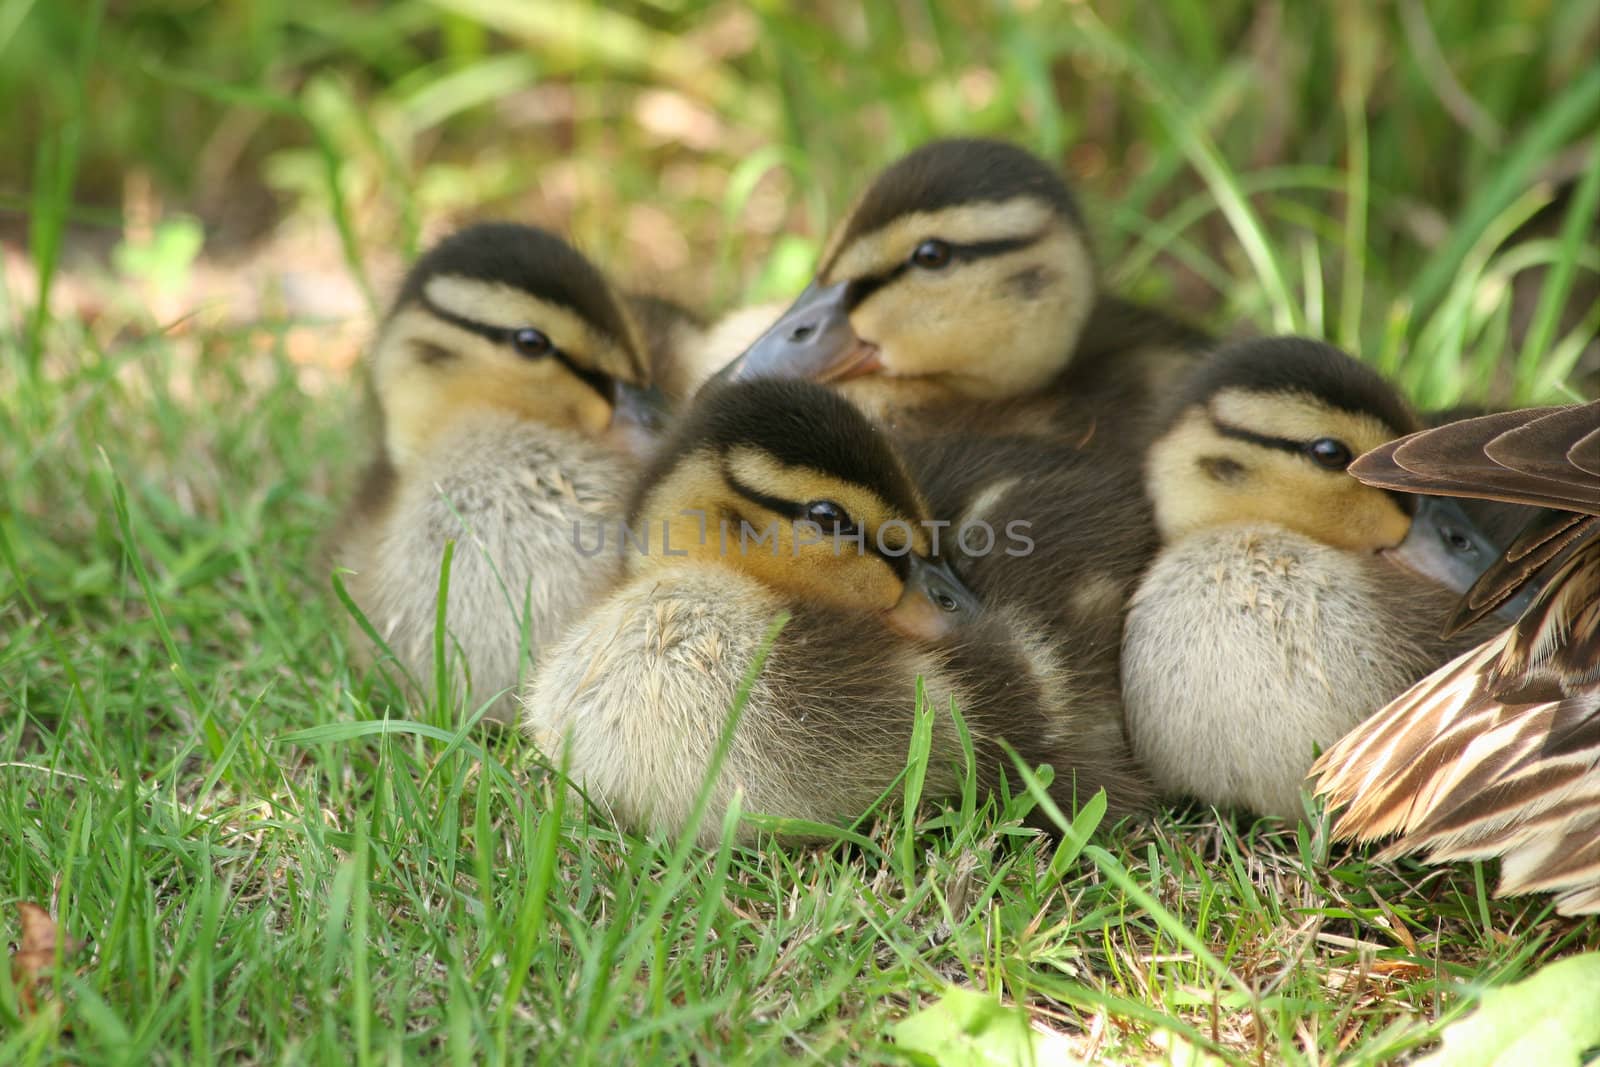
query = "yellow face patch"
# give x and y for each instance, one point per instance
(996, 325)
(430, 372)
(885, 249)
(1200, 475)
(709, 520)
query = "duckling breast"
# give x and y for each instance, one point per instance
(535, 516)
(634, 700)
(635, 697)
(1249, 648)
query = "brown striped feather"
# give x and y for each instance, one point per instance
(1497, 754)
(1456, 459)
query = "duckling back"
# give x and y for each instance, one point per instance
(1059, 536)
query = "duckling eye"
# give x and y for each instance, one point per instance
(931, 254)
(531, 343)
(828, 515)
(1329, 453)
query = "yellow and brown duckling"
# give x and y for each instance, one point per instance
(1278, 613)
(960, 286)
(508, 383)
(636, 696)
(1497, 754)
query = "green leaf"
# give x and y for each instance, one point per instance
(1549, 1019)
(965, 1027)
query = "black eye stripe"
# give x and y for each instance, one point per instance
(599, 381)
(899, 564)
(1282, 444)
(1238, 433)
(787, 508)
(861, 288)
(997, 247)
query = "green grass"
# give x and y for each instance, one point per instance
(277, 862)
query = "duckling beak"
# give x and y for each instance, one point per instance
(813, 339)
(935, 604)
(638, 416)
(1443, 544)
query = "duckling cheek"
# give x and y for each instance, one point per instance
(916, 324)
(877, 590)
(878, 322)
(567, 403)
(1385, 525)
(1353, 518)
(592, 415)
(852, 581)
(1395, 527)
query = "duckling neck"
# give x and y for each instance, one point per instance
(491, 461)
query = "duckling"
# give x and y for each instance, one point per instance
(960, 286)
(1497, 754)
(508, 387)
(1278, 615)
(778, 498)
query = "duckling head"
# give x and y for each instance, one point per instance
(506, 318)
(788, 483)
(964, 270)
(1264, 432)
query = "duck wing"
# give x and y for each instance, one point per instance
(1540, 456)
(1497, 754)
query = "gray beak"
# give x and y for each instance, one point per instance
(813, 339)
(1444, 545)
(936, 604)
(941, 586)
(638, 416)
(644, 408)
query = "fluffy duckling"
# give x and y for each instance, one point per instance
(1277, 615)
(961, 285)
(506, 381)
(1497, 754)
(779, 497)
